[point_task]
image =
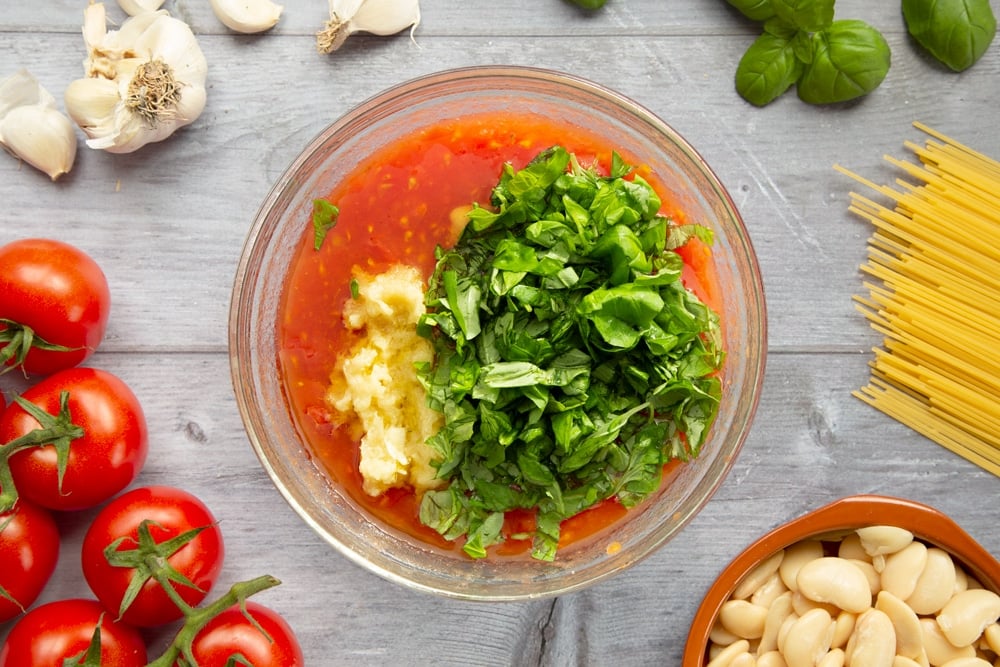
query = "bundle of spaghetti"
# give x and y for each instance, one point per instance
(933, 282)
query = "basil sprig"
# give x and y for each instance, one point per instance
(956, 32)
(570, 361)
(829, 61)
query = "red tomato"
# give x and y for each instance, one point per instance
(60, 294)
(48, 634)
(171, 512)
(102, 462)
(231, 632)
(29, 550)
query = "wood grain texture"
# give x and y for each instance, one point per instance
(167, 225)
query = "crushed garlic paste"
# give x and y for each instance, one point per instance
(374, 386)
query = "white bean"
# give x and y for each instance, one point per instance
(936, 583)
(744, 660)
(992, 637)
(725, 657)
(719, 635)
(835, 581)
(771, 659)
(909, 637)
(742, 618)
(883, 540)
(873, 643)
(779, 610)
(874, 577)
(939, 650)
(900, 661)
(903, 569)
(967, 662)
(843, 628)
(851, 548)
(769, 591)
(966, 615)
(758, 576)
(835, 658)
(796, 556)
(808, 639)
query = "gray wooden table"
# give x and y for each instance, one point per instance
(167, 224)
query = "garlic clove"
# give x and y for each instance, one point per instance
(90, 101)
(41, 136)
(247, 16)
(379, 17)
(136, 7)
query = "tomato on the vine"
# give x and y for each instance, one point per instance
(164, 513)
(231, 633)
(49, 634)
(102, 462)
(29, 551)
(54, 305)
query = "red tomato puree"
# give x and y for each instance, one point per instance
(395, 208)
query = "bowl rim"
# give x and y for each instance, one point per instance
(756, 310)
(927, 523)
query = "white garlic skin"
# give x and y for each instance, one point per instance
(247, 16)
(32, 129)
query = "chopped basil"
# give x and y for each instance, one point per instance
(324, 218)
(571, 363)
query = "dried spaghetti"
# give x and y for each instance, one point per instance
(934, 294)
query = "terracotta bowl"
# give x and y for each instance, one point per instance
(847, 514)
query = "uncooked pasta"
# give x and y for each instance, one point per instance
(933, 280)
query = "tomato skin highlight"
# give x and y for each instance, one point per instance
(230, 632)
(103, 462)
(58, 291)
(29, 551)
(175, 511)
(48, 634)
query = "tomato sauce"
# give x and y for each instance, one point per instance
(396, 208)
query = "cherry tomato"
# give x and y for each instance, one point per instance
(60, 295)
(104, 461)
(170, 512)
(29, 550)
(231, 632)
(47, 635)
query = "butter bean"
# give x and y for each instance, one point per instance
(801, 604)
(903, 569)
(939, 650)
(777, 613)
(874, 577)
(873, 643)
(744, 660)
(769, 591)
(883, 540)
(992, 637)
(909, 637)
(835, 581)
(719, 635)
(771, 659)
(808, 639)
(742, 618)
(936, 583)
(851, 548)
(725, 657)
(843, 628)
(758, 576)
(967, 662)
(835, 658)
(796, 556)
(785, 629)
(966, 615)
(900, 661)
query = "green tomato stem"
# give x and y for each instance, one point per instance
(197, 618)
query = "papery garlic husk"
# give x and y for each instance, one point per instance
(247, 16)
(379, 17)
(32, 128)
(136, 7)
(143, 81)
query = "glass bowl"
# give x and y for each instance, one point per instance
(834, 520)
(277, 232)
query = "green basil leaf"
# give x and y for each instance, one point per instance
(955, 32)
(807, 15)
(850, 59)
(767, 69)
(755, 10)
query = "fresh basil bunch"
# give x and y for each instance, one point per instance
(956, 32)
(828, 61)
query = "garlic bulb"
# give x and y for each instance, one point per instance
(379, 17)
(247, 16)
(135, 7)
(32, 129)
(143, 81)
